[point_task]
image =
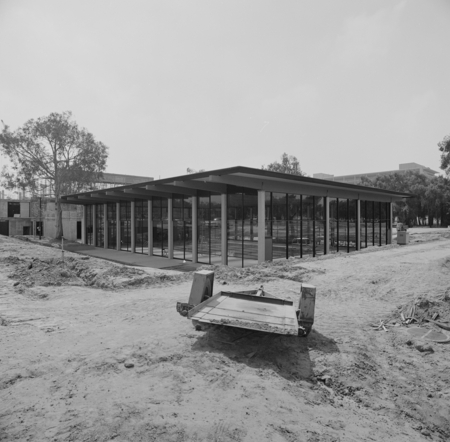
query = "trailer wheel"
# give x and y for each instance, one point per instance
(196, 325)
(304, 332)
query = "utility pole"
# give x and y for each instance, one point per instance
(40, 217)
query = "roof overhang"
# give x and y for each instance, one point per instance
(217, 181)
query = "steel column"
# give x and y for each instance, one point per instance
(390, 220)
(150, 228)
(223, 226)
(261, 226)
(170, 227)
(195, 229)
(83, 226)
(133, 228)
(326, 203)
(94, 225)
(118, 231)
(358, 225)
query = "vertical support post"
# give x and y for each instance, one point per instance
(223, 227)
(133, 227)
(194, 229)
(105, 226)
(118, 230)
(150, 228)
(170, 227)
(314, 225)
(94, 225)
(373, 223)
(379, 223)
(261, 226)
(358, 224)
(337, 224)
(390, 220)
(327, 234)
(83, 226)
(348, 225)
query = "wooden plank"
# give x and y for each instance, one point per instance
(247, 313)
(226, 314)
(281, 316)
(288, 326)
(238, 305)
(200, 306)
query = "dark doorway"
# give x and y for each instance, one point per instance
(26, 230)
(39, 228)
(78, 229)
(4, 228)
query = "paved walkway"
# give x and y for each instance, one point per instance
(132, 259)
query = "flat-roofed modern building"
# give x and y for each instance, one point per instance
(237, 216)
(356, 178)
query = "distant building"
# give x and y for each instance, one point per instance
(356, 178)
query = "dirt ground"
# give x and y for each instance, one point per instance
(95, 351)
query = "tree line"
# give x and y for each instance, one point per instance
(432, 195)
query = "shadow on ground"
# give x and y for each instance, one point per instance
(287, 355)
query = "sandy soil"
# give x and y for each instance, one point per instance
(69, 330)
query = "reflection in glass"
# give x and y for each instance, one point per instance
(111, 211)
(160, 226)
(99, 219)
(182, 227)
(141, 226)
(242, 226)
(89, 224)
(125, 225)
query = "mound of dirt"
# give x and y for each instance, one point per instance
(268, 271)
(81, 272)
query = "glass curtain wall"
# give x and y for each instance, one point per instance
(160, 226)
(125, 225)
(209, 228)
(294, 227)
(320, 235)
(334, 226)
(89, 225)
(363, 234)
(279, 225)
(141, 226)
(351, 243)
(99, 219)
(308, 225)
(375, 223)
(182, 227)
(388, 221)
(383, 224)
(242, 226)
(112, 225)
(296, 224)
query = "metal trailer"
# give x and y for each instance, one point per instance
(250, 309)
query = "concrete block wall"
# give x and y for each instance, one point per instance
(16, 226)
(24, 208)
(3, 208)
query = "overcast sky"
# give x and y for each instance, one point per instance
(346, 86)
